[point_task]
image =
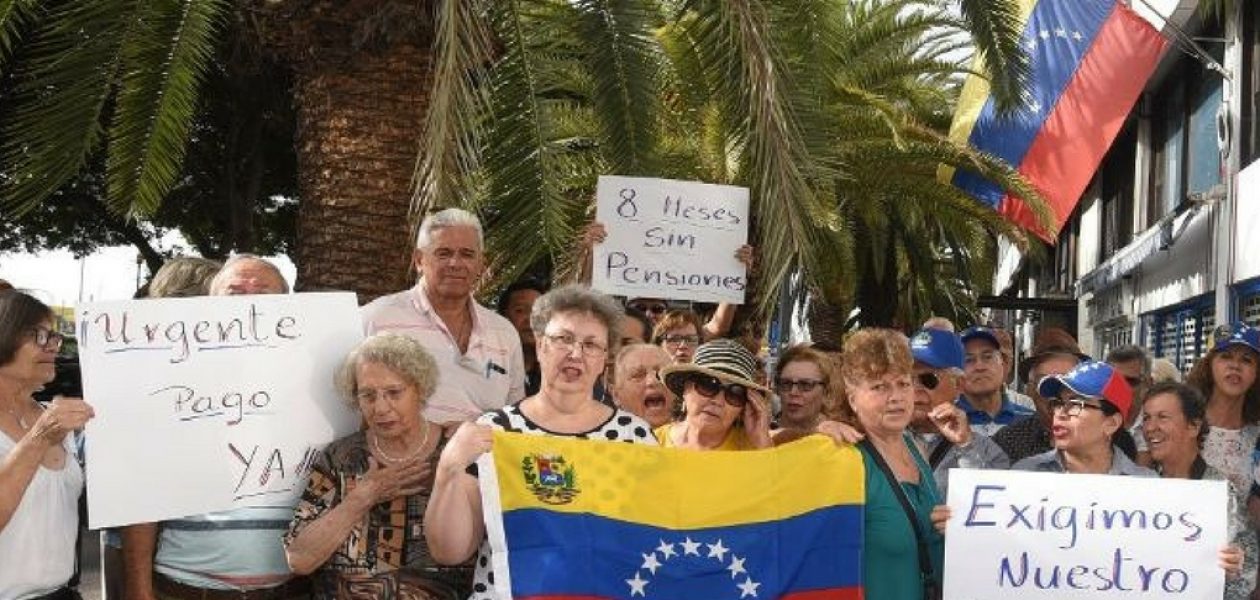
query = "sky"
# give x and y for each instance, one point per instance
(59, 279)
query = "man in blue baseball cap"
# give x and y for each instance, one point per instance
(985, 398)
(940, 427)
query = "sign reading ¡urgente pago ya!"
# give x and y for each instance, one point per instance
(207, 404)
(1051, 536)
(671, 239)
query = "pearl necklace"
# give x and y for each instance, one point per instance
(424, 441)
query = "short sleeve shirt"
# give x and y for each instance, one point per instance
(488, 376)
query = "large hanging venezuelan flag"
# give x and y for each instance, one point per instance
(1090, 60)
(584, 520)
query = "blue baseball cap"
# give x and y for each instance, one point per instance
(937, 348)
(1241, 334)
(1092, 379)
(980, 333)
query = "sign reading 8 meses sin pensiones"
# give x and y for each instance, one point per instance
(671, 239)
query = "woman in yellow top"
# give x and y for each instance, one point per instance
(725, 409)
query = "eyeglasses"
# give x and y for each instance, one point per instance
(678, 340)
(565, 342)
(47, 338)
(928, 380)
(651, 308)
(785, 386)
(1072, 407)
(389, 394)
(709, 386)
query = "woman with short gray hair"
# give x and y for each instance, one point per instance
(358, 526)
(574, 329)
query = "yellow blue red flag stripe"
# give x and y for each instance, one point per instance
(1090, 60)
(587, 520)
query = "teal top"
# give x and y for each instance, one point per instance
(890, 569)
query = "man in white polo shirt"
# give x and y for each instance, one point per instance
(478, 352)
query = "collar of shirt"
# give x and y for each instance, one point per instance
(420, 301)
(1007, 412)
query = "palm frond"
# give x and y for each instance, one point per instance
(15, 15)
(458, 103)
(165, 60)
(994, 25)
(69, 71)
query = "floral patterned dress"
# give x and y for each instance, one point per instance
(385, 556)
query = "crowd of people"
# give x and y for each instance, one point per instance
(393, 510)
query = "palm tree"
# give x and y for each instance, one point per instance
(511, 107)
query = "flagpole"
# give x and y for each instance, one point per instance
(1196, 51)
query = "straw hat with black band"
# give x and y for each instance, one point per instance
(722, 358)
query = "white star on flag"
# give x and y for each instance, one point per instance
(637, 585)
(650, 563)
(717, 550)
(1045, 35)
(1078, 36)
(1030, 45)
(737, 566)
(666, 550)
(1060, 32)
(748, 588)
(690, 547)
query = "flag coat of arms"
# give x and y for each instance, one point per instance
(1089, 61)
(587, 520)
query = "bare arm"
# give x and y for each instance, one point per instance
(318, 539)
(19, 466)
(139, 543)
(453, 524)
(724, 315)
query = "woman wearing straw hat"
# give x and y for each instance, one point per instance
(725, 409)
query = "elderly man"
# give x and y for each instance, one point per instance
(938, 366)
(478, 352)
(235, 553)
(1134, 364)
(984, 397)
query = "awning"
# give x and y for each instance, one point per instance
(1162, 236)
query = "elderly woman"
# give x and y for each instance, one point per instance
(574, 328)
(637, 387)
(358, 526)
(903, 553)
(40, 478)
(678, 333)
(724, 407)
(807, 391)
(1174, 422)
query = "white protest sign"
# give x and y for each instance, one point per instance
(207, 404)
(1014, 534)
(671, 239)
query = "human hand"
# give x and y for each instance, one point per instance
(746, 255)
(952, 422)
(384, 482)
(756, 419)
(1230, 559)
(595, 233)
(470, 441)
(842, 433)
(63, 415)
(940, 517)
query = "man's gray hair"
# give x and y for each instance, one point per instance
(1128, 353)
(218, 278)
(450, 217)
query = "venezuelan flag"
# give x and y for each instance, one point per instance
(584, 520)
(1090, 60)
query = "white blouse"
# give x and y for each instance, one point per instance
(37, 545)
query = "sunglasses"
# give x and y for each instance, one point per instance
(651, 308)
(709, 386)
(928, 380)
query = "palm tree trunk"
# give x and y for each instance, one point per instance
(358, 121)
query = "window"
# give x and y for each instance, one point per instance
(1117, 192)
(1251, 83)
(1178, 333)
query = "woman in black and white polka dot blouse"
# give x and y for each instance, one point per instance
(573, 326)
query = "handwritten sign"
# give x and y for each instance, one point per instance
(671, 239)
(1015, 534)
(207, 404)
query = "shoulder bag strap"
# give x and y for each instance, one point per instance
(925, 561)
(938, 453)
